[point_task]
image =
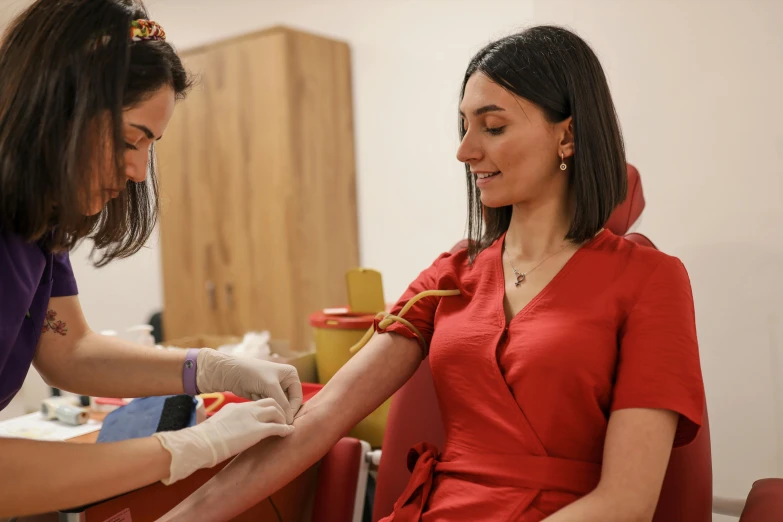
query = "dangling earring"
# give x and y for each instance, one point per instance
(563, 165)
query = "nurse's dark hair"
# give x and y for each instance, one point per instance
(557, 71)
(68, 69)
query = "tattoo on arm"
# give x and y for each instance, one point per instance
(51, 323)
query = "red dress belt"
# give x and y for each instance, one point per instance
(515, 470)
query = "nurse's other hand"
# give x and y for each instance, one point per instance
(233, 429)
(250, 378)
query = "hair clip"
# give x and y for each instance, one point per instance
(146, 30)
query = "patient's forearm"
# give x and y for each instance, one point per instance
(259, 472)
(362, 385)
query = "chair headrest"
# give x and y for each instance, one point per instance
(629, 210)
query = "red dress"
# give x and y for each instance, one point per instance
(526, 404)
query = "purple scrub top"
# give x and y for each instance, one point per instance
(29, 276)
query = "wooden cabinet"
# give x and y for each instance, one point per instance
(258, 193)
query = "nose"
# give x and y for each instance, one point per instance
(136, 162)
(469, 150)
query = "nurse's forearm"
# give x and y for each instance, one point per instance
(367, 380)
(98, 365)
(38, 477)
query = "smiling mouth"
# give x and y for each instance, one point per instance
(485, 175)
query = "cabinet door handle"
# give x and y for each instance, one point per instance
(210, 287)
(230, 295)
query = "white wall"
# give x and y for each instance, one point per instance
(697, 86)
(125, 292)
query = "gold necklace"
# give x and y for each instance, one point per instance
(522, 275)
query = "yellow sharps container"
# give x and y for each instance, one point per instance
(337, 330)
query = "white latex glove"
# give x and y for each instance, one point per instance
(233, 429)
(250, 378)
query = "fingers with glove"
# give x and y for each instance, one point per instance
(233, 429)
(250, 378)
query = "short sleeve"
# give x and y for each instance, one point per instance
(659, 354)
(422, 314)
(63, 280)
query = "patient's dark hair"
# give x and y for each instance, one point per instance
(556, 70)
(68, 69)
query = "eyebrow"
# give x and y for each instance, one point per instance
(485, 109)
(147, 132)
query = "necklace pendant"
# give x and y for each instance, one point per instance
(520, 280)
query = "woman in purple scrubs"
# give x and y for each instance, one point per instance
(86, 89)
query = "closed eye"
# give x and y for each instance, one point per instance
(495, 131)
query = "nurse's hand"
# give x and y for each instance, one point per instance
(233, 429)
(250, 378)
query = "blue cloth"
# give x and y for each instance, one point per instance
(136, 420)
(29, 276)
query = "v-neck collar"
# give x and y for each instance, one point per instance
(496, 252)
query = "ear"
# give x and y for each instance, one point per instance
(566, 134)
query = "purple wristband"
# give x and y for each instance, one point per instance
(189, 372)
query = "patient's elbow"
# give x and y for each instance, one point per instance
(620, 506)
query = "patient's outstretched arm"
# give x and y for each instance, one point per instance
(368, 379)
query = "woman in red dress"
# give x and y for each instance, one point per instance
(565, 360)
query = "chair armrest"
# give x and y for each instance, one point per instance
(342, 482)
(765, 501)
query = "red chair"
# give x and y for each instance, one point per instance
(342, 482)
(686, 495)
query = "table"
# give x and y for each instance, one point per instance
(90, 438)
